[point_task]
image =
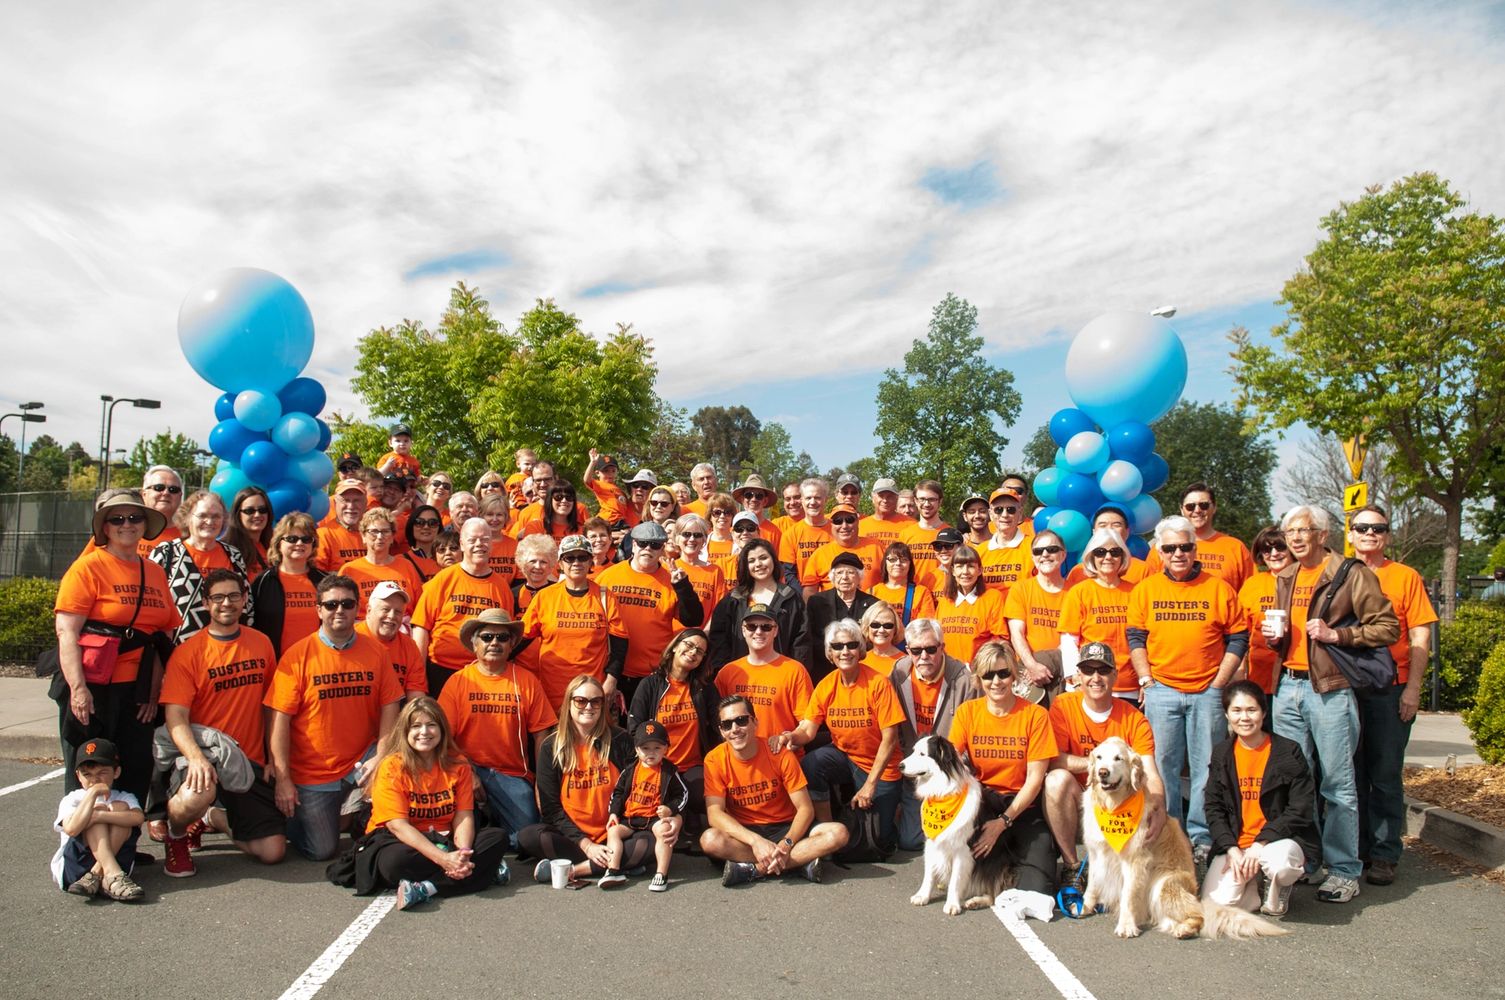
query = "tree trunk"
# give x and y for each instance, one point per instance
(1452, 511)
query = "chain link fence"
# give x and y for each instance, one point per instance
(42, 533)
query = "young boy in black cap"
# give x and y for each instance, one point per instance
(98, 826)
(649, 796)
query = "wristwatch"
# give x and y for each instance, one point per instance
(1146, 681)
(787, 842)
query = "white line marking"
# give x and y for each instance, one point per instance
(34, 781)
(327, 964)
(1068, 985)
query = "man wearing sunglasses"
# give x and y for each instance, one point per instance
(162, 491)
(779, 685)
(1006, 558)
(1187, 635)
(844, 538)
(333, 695)
(1221, 555)
(759, 809)
(654, 598)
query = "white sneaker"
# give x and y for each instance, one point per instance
(1338, 889)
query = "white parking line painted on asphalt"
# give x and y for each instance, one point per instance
(27, 784)
(327, 964)
(1060, 977)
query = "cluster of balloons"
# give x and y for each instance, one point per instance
(1124, 371)
(250, 333)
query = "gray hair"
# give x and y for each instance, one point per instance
(473, 525)
(1174, 525)
(166, 470)
(692, 522)
(458, 497)
(816, 482)
(1316, 515)
(531, 546)
(1104, 538)
(851, 628)
(702, 467)
(919, 628)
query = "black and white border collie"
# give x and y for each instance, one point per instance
(939, 773)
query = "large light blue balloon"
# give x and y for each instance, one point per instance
(1126, 366)
(312, 469)
(1120, 480)
(1068, 423)
(257, 409)
(1156, 472)
(1144, 513)
(246, 328)
(318, 505)
(1073, 527)
(228, 481)
(228, 439)
(1131, 441)
(264, 462)
(296, 433)
(1086, 453)
(1045, 485)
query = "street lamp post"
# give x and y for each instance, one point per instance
(26, 418)
(200, 453)
(107, 421)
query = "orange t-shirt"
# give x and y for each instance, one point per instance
(646, 793)
(212, 558)
(779, 691)
(646, 609)
(493, 716)
(1408, 595)
(800, 541)
(412, 673)
(1040, 610)
(1001, 748)
(921, 542)
(817, 570)
(921, 606)
(449, 600)
(1137, 570)
(335, 698)
(676, 713)
(300, 608)
(222, 682)
(756, 791)
(1250, 765)
(771, 533)
(523, 596)
(367, 575)
(1078, 735)
(423, 565)
(428, 800)
(709, 583)
(1221, 555)
(569, 635)
(968, 626)
(1301, 610)
(1188, 622)
(927, 694)
(585, 791)
(884, 532)
(107, 589)
(720, 555)
(1256, 597)
(504, 557)
(696, 506)
(1094, 613)
(1004, 567)
(881, 663)
(857, 714)
(613, 503)
(338, 545)
(405, 464)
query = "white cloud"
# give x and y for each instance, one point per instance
(751, 171)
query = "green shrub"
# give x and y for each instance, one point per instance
(1465, 643)
(1486, 720)
(26, 621)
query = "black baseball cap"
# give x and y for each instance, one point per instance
(650, 731)
(348, 459)
(398, 430)
(97, 751)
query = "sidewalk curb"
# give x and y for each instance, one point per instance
(19, 746)
(1473, 841)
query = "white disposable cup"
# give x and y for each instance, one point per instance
(1275, 621)
(559, 872)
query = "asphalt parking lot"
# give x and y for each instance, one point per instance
(239, 930)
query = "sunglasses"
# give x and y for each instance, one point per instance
(1372, 529)
(491, 486)
(660, 503)
(298, 539)
(997, 675)
(735, 722)
(650, 546)
(118, 519)
(1096, 668)
(1275, 547)
(581, 702)
(1104, 553)
(923, 650)
(722, 513)
(256, 511)
(1002, 510)
(164, 488)
(426, 522)
(1186, 547)
(1197, 505)
(757, 626)
(890, 626)
(1047, 550)
(745, 529)
(575, 557)
(439, 484)
(343, 604)
(943, 546)
(692, 534)
(489, 637)
(841, 647)
(843, 520)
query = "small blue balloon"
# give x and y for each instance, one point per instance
(1043, 516)
(1045, 485)
(1079, 493)
(228, 481)
(304, 395)
(1061, 462)
(312, 469)
(318, 505)
(257, 409)
(1154, 472)
(296, 433)
(1086, 453)
(1144, 513)
(229, 439)
(224, 407)
(1131, 441)
(287, 496)
(1138, 547)
(246, 329)
(325, 436)
(1068, 423)
(1072, 526)
(264, 462)
(1121, 480)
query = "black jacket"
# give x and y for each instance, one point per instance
(267, 600)
(705, 697)
(550, 808)
(672, 789)
(823, 609)
(1286, 798)
(724, 636)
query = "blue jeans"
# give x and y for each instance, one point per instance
(1187, 725)
(509, 799)
(1327, 728)
(911, 834)
(1382, 753)
(829, 768)
(314, 830)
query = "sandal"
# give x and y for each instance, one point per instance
(120, 887)
(88, 884)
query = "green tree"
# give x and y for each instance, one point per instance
(369, 441)
(773, 457)
(46, 465)
(176, 451)
(726, 434)
(943, 416)
(669, 449)
(1397, 330)
(9, 457)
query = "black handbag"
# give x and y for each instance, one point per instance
(1366, 668)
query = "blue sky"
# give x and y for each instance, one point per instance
(806, 179)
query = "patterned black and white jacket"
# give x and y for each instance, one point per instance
(186, 584)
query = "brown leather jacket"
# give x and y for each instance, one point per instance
(1361, 596)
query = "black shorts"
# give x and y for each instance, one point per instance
(253, 813)
(77, 858)
(770, 831)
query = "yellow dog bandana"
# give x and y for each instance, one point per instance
(1118, 825)
(938, 814)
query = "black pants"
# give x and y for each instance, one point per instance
(398, 861)
(114, 719)
(436, 676)
(1031, 850)
(544, 841)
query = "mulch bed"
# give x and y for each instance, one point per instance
(1477, 791)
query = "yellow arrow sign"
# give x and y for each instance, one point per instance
(1355, 497)
(1355, 449)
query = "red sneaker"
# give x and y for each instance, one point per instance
(179, 863)
(195, 834)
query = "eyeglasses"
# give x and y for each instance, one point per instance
(843, 520)
(1197, 505)
(164, 488)
(923, 650)
(1096, 668)
(1186, 547)
(343, 604)
(1105, 553)
(650, 546)
(661, 503)
(1372, 529)
(256, 511)
(691, 534)
(426, 522)
(889, 626)
(1003, 510)
(575, 557)
(721, 513)
(920, 499)
(735, 722)
(378, 532)
(757, 626)
(997, 675)
(1300, 532)
(298, 539)
(489, 637)
(118, 519)
(226, 598)
(581, 702)
(1047, 550)
(692, 649)
(841, 647)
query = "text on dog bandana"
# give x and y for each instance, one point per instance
(937, 814)
(1118, 825)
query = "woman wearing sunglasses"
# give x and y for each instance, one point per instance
(1096, 609)
(911, 600)
(1010, 745)
(881, 629)
(578, 766)
(720, 509)
(283, 596)
(1034, 613)
(559, 515)
(1257, 596)
(421, 532)
(661, 508)
(250, 529)
(706, 577)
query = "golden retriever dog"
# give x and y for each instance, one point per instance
(1149, 881)
(951, 808)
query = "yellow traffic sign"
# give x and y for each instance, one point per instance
(1355, 497)
(1355, 449)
